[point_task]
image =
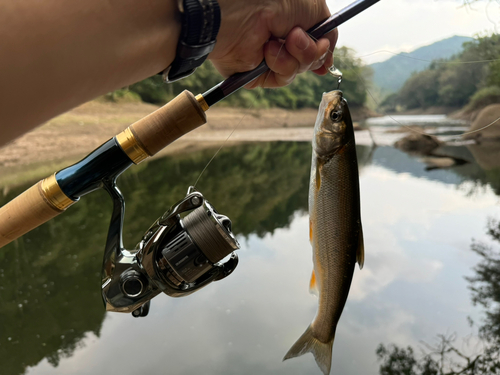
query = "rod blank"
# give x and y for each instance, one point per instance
(238, 80)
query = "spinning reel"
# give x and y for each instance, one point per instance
(182, 251)
(179, 254)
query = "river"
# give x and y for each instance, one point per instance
(418, 224)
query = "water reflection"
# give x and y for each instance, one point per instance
(448, 355)
(49, 282)
(478, 353)
(417, 228)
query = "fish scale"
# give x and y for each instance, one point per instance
(336, 232)
(338, 207)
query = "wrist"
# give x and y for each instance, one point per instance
(200, 21)
(166, 35)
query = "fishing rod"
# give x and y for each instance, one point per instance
(182, 251)
(238, 80)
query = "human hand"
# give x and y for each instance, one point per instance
(253, 30)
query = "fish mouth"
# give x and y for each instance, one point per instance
(334, 95)
(333, 101)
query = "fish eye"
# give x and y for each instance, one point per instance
(335, 116)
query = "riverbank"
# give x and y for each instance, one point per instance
(454, 113)
(82, 129)
(437, 110)
(77, 132)
(70, 136)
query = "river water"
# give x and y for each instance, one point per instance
(419, 226)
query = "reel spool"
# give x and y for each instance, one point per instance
(177, 256)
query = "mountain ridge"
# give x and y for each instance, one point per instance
(391, 74)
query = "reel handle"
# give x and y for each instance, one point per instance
(51, 196)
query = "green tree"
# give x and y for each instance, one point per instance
(455, 81)
(304, 91)
(420, 91)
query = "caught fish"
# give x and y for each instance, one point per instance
(335, 225)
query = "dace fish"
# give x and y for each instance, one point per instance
(335, 225)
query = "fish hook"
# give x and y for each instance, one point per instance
(336, 73)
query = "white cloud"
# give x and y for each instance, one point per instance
(388, 263)
(410, 289)
(403, 25)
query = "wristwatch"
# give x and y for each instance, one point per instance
(200, 25)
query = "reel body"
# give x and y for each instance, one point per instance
(179, 254)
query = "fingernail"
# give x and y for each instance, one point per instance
(302, 41)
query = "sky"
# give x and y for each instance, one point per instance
(404, 25)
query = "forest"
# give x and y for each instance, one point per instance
(470, 79)
(305, 91)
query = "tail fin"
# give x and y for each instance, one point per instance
(307, 343)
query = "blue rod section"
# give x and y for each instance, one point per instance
(107, 161)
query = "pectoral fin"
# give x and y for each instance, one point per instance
(318, 176)
(313, 286)
(360, 252)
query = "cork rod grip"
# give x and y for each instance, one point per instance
(170, 122)
(35, 206)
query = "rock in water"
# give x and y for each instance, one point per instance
(442, 161)
(418, 143)
(485, 117)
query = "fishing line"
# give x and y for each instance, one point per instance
(404, 54)
(241, 119)
(363, 83)
(456, 137)
(361, 80)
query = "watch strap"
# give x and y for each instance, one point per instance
(200, 25)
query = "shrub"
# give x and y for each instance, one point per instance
(482, 98)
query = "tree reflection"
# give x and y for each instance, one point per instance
(485, 284)
(441, 358)
(49, 279)
(444, 358)
(402, 361)
(485, 168)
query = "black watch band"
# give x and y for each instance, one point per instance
(200, 25)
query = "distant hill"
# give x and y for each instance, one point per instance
(390, 75)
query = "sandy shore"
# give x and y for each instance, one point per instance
(79, 131)
(67, 138)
